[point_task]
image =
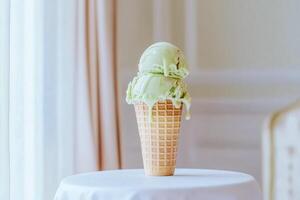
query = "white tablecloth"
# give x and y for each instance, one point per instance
(134, 185)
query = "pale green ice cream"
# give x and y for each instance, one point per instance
(161, 70)
(163, 58)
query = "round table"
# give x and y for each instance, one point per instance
(186, 184)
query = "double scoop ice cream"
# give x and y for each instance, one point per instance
(158, 93)
(162, 68)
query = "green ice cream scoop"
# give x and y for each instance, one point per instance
(163, 58)
(151, 89)
(161, 71)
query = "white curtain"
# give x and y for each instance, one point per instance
(59, 113)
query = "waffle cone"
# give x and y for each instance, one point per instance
(159, 137)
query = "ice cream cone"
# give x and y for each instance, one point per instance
(159, 136)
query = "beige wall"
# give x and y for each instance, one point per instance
(135, 30)
(251, 33)
(230, 33)
(244, 62)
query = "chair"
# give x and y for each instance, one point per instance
(281, 155)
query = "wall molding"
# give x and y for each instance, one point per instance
(238, 106)
(246, 76)
(255, 76)
(267, 78)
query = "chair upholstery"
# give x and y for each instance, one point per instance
(281, 155)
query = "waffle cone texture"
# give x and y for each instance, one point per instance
(159, 137)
